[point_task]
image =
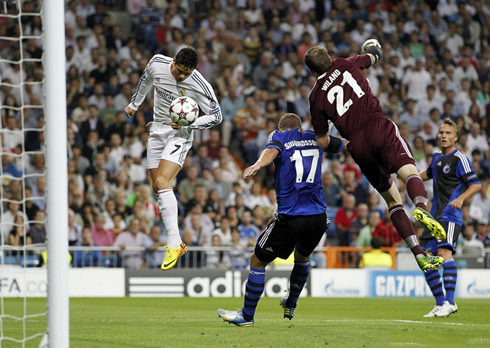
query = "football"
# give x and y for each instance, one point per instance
(183, 111)
(368, 43)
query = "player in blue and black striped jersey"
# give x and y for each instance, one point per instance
(300, 220)
(454, 183)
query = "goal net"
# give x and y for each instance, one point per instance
(23, 176)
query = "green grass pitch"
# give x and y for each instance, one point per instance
(191, 322)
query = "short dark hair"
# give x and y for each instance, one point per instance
(376, 242)
(316, 59)
(187, 57)
(289, 121)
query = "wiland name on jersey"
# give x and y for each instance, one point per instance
(331, 79)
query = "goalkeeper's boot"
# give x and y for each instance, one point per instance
(429, 262)
(172, 255)
(288, 311)
(434, 227)
(235, 317)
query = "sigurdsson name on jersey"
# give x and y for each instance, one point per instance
(331, 79)
(300, 143)
(163, 93)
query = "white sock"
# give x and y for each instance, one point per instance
(168, 211)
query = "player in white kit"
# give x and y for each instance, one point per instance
(169, 143)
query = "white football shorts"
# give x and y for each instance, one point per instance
(168, 144)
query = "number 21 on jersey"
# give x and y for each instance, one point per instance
(337, 92)
(298, 157)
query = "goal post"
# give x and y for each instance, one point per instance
(57, 177)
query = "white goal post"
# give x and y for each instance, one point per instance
(57, 178)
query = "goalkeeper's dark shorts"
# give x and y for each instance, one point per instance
(380, 150)
(287, 232)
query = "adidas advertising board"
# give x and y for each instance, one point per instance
(202, 283)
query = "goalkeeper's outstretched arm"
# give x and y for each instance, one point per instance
(370, 55)
(372, 48)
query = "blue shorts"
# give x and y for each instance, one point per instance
(430, 244)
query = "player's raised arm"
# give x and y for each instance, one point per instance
(371, 54)
(266, 157)
(144, 84)
(208, 103)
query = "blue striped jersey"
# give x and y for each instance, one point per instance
(451, 175)
(298, 172)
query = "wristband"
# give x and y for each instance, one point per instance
(335, 144)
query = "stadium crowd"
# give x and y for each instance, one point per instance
(435, 64)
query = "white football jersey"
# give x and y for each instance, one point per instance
(166, 89)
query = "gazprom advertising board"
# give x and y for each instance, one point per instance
(376, 283)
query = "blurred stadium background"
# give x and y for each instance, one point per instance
(435, 64)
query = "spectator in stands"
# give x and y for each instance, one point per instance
(194, 258)
(86, 258)
(201, 232)
(237, 257)
(133, 238)
(415, 83)
(154, 241)
(37, 230)
(249, 130)
(9, 168)
(366, 233)
(248, 231)
(224, 230)
(216, 259)
(92, 124)
(12, 136)
(471, 244)
(187, 186)
(477, 141)
(39, 193)
(358, 223)
(352, 187)
(256, 197)
(343, 219)
(387, 233)
(201, 160)
(100, 235)
(480, 203)
(74, 229)
(18, 236)
(29, 207)
(376, 258)
(483, 233)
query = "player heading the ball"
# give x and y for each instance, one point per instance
(169, 142)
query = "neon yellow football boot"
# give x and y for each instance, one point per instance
(432, 225)
(172, 255)
(429, 262)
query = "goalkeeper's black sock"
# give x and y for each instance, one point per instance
(297, 281)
